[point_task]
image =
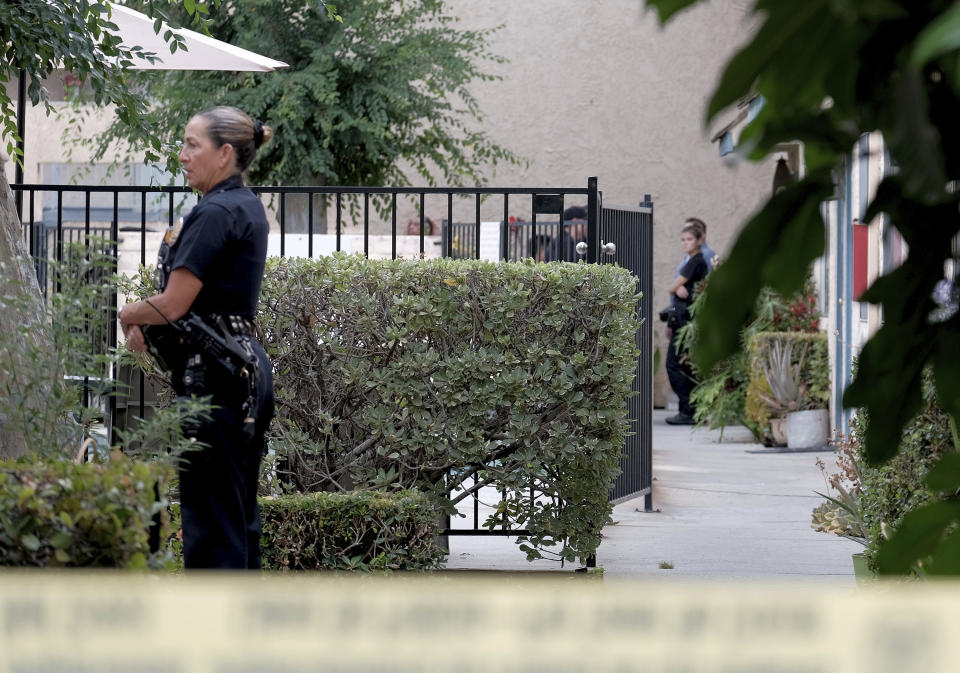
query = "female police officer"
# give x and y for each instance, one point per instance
(210, 271)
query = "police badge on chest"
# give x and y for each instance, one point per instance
(162, 273)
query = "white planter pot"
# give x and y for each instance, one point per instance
(808, 429)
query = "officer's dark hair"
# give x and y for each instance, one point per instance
(575, 213)
(230, 125)
(695, 227)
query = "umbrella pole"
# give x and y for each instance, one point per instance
(21, 131)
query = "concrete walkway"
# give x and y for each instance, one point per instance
(723, 509)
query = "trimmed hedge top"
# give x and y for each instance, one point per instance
(361, 530)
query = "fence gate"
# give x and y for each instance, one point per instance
(626, 238)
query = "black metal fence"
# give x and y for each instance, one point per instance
(53, 215)
(626, 238)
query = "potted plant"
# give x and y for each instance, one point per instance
(841, 513)
(791, 388)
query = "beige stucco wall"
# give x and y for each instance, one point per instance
(597, 88)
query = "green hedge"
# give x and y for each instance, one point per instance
(442, 374)
(59, 513)
(814, 373)
(361, 530)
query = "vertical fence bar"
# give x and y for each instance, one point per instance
(449, 251)
(33, 226)
(505, 229)
(59, 237)
(533, 227)
(112, 315)
(476, 242)
(366, 224)
(283, 224)
(310, 225)
(423, 220)
(593, 221)
(646, 307)
(393, 226)
(339, 217)
(21, 141)
(143, 262)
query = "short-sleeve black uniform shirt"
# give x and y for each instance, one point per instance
(224, 243)
(694, 271)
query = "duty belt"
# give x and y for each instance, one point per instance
(236, 325)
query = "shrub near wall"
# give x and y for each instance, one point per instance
(440, 374)
(58, 513)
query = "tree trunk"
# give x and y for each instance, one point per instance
(17, 275)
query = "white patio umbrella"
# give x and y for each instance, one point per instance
(202, 53)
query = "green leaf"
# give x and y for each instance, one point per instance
(914, 140)
(938, 38)
(946, 559)
(30, 542)
(61, 540)
(190, 6)
(946, 370)
(945, 475)
(667, 8)
(779, 28)
(774, 249)
(918, 536)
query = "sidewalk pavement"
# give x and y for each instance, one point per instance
(725, 509)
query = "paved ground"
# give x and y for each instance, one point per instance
(723, 509)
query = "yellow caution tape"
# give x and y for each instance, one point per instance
(223, 623)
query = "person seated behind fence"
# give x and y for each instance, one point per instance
(546, 248)
(574, 230)
(413, 226)
(679, 371)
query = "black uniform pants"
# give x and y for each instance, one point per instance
(218, 483)
(680, 375)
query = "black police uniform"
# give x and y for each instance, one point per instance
(223, 242)
(679, 372)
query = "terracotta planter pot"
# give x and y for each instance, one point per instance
(808, 429)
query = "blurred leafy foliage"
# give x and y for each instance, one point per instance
(360, 530)
(453, 377)
(830, 71)
(70, 340)
(43, 380)
(58, 513)
(901, 489)
(385, 86)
